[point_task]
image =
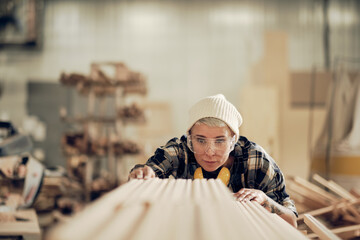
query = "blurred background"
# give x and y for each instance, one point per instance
(97, 86)
(290, 67)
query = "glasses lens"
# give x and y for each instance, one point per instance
(200, 144)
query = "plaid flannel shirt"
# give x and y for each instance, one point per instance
(252, 168)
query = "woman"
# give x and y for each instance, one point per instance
(213, 148)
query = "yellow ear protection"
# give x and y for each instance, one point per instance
(224, 175)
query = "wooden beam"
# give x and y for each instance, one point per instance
(331, 185)
(329, 208)
(317, 227)
(347, 232)
(315, 189)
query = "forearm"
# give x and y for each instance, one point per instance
(281, 211)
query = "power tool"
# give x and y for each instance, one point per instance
(15, 151)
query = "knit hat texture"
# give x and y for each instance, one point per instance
(217, 107)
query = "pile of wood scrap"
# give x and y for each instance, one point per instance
(15, 222)
(102, 184)
(59, 198)
(126, 147)
(77, 170)
(55, 188)
(73, 79)
(132, 113)
(100, 83)
(75, 143)
(326, 207)
(174, 209)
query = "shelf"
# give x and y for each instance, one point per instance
(107, 120)
(109, 145)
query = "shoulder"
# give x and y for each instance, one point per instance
(245, 146)
(175, 146)
(253, 153)
(262, 171)
(175, 142)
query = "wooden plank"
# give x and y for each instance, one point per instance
(355, 212)
(152, 224)
(196, 191)
(334, 187)
(271, 220)
(207, 222)
(342, 191)
(179, 188)
(183, 224)
(328, 209)
(173, 209)
(315, 200)
(94, 215)
(263, 233)
(122, 225)
(319, 228)
(348, 232)
(27, 229)
(315, 189)
(355, 192)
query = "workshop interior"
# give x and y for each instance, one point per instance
(91, 88)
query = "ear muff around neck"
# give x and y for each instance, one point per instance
(224, 175)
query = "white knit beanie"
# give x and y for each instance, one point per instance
(217, 107)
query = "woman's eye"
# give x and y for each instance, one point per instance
(200, 140)
(220, 141)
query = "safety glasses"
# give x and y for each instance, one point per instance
(201, 145)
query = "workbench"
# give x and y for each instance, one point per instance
(28, 228)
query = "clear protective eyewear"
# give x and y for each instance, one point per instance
(200, 145)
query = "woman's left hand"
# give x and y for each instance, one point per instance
(249, 194)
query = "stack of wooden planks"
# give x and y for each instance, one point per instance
(54, 188)
(327, 208)
(174, 209)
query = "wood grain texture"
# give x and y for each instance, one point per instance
(174, 209)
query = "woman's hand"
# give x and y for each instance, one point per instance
(145, 172)
(249, 194)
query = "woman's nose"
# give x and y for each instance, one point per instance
(210, 149)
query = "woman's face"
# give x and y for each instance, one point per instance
(213, 152)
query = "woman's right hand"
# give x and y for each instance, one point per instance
(145, 172)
